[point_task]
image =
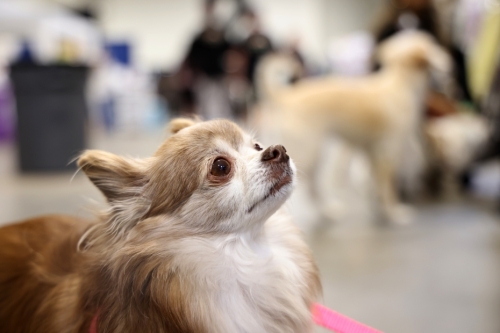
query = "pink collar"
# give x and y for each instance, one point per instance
(322, 316)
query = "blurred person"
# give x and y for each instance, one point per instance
(201, 74)
(206, 54)
(249, 44)
(216, 78)
(257, 45)
(237, 83)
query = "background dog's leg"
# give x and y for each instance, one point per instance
(305, 202)
(343, 183)
(385, 175)
(331, 176)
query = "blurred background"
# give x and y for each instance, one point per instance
(109, 74)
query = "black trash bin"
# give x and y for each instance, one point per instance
(51, 115)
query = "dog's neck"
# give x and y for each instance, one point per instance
(415, 79)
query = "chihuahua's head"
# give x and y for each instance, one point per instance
(210, 176)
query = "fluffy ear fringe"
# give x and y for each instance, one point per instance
(114, 176)
(180, 123)
(122, 181)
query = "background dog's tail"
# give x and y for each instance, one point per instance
(275, 72)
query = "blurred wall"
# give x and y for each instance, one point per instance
(161, 30)
(303, 20)
(344, 16)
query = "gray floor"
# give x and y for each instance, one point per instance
(440, 274)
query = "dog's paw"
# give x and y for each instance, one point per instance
(401, 214)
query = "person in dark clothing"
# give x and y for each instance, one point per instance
(257, 45)
(206, 54)
(205, 60)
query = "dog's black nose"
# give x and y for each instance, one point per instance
(275, 153)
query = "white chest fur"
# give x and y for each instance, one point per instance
(248, 284)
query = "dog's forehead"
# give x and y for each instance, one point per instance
(216, 131)
(203, 137)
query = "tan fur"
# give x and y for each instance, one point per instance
(176, 252)
(379, 113)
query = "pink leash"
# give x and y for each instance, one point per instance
(322, 316)
(93, 323)
(336, 322)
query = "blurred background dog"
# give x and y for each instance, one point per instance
(380, 114)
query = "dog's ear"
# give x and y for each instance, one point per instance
(180, 123)
(116, 177)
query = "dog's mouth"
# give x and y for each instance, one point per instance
(284, 180)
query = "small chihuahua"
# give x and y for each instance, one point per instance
(194, 241)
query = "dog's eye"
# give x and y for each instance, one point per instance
(220, 168)
(257, 147)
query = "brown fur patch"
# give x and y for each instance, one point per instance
(39, 274)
